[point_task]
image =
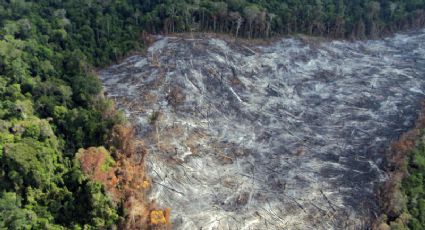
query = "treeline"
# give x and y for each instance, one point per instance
(265, 18)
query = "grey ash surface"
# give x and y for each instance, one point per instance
(285, 136)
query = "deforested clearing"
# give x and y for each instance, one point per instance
(288, 135)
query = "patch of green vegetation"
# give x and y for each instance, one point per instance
(407, 195)
(413, 187)
(109, 161)
(49, 107)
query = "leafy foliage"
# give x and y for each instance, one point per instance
(414, 187)
(404, 194)
(49, 107)
(263, 18)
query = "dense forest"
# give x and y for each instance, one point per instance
(260, 18)
(51, 102)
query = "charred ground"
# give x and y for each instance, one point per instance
(285, 135)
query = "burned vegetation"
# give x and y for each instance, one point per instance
(285, 135)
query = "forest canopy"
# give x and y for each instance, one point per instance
(51, 101)
(264, 18)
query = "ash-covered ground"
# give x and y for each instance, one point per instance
(284, 136)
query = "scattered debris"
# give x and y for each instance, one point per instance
(296, 124)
